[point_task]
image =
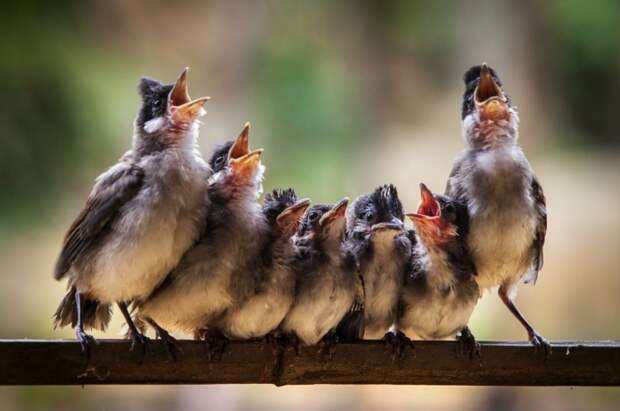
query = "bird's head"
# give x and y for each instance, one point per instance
(236, 168)
(167, 112)
(322, 229)
(289, 219)
(488, 114)
(439, 219)
(276, 202)
(379, 214)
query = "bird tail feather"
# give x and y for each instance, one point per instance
(95, 314)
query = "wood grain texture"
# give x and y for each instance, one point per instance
(41, 362)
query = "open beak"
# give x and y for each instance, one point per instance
(245, 167)
(291, 216)
(489, 97)
(429, 206)
(429, 211)
(337, 212)
(394, 225)
(241, 146)
(183, 109)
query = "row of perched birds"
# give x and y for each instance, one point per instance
(184, 245)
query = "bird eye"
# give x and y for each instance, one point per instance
(156, 103)
(219, 160)
(313, 216)
(449, 212)
(368, 215)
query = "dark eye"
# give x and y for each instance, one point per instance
(368, 215)
(449, 212)
(219, 160)
(313, 216)
(156, 103)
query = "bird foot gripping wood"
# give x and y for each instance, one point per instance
(87, 342)
(328, 346)
(170, 343)
(468, 344)
(540, 343)
(215, 343)
(397, 343)
(139, 344)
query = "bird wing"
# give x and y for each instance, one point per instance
(453, 189)
(114, 190)
(540, 203)
(352, 325)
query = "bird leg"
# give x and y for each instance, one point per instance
(169, 341)
(137, 338)
(276, 342)
(86, 340)
(328, 344)
(536, 339)
(215, 342)
(397, 342)
(468, 343)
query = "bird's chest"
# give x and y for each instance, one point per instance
(153, 231)
(503, 217)
(383, 277)
(440, 306)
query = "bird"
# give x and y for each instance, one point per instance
(263, 305)
(142, 214)
(440, 292)
(213, 272)
(381, 248)
(326, 281)
(505, 200)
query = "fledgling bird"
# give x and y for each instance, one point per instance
(379, 243)
(441, 292)
(506, 204)
(202, 286)
(141, 216)
(262, 306)
(326, 280)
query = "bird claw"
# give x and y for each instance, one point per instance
(170, 343)
(468, 344)
(397, 343)
(87, 341)
(540, 343)
(215, 345)
(328, 346)
(276, 343)
(139, 341)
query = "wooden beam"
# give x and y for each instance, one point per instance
(40, 362)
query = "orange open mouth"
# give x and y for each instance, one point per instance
(489, 97)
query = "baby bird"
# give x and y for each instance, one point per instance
(441, 292)
(265, 302)
(141, 216)
(506, 204)
(326, 280)
(379, 244)
(202, 287)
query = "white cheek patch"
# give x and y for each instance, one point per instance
(154, 124)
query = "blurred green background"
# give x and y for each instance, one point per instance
(343, 96)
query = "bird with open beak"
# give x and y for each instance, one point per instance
(440, 294)
(326, 281)
(377, 240)
(506, 204)
(262, 304)
(202, 286)
(141, 216)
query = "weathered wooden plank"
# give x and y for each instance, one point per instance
(40, 362)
